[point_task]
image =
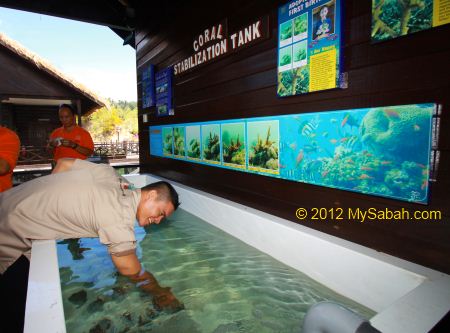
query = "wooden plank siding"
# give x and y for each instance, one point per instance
(407, 70)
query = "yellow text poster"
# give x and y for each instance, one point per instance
(323, 70)
(441, 12)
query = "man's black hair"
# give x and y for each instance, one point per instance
(68, 106)
(165, 192)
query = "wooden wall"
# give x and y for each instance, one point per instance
(412, 69)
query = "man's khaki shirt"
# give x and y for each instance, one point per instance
(87, 201)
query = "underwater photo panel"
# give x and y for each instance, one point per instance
(167, 133)
(285, 36)
(300, 27)
(193, 142)
(263, 146)
(211, 143)
(300, 54)
(233, 145)
(179, 149)
(392, 19)
(285, 58)
(381, 151)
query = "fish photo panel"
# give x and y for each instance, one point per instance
(382, 151)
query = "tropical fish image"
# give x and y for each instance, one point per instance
(233, 146)
(308, 128)
(380, 151)
(349, 120)
(263, 137)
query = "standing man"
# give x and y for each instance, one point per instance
(70, 140)
(80, 199)
(9, 152)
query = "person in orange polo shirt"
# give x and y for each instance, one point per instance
(9, 152)
(70, 140)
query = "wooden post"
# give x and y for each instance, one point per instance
(78, 104)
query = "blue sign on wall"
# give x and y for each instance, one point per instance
(148, 86)
(164, 105)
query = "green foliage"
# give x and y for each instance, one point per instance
(120, 121)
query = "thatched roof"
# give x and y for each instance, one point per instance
(48, 68)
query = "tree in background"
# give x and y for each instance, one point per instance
(118, 123)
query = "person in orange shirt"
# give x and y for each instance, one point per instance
(9, 152)
(70, 140)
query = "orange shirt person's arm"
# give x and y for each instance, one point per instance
(9, 153)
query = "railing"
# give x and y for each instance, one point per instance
(34, 155)
(104, 150)
(116, 149)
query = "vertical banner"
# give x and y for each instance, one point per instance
(309, 46)
(163, 84)
(392, 19)
(383, 151)
(148, 86)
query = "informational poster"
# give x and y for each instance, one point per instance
(393, 18)
(148, 86)
(164, 106)
(382, 151)
(309, 46)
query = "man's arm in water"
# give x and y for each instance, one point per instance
(130, 266)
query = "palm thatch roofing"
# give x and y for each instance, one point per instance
(48, 68)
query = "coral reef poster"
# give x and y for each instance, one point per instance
(395, 18)
(211, 143)
(193, 142)
(382, 151)
(263, 138)
(167, 133)
(233, 145)
(179, 142)
(309, 46)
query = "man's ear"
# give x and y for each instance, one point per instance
(152, 194)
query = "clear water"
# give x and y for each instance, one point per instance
(225, 285)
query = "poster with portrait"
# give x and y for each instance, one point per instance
(309, 46)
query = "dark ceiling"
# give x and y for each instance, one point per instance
(124, 16)
(119, 15)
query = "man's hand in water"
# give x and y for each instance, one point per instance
(163, 298)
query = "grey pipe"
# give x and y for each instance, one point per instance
(328, 317)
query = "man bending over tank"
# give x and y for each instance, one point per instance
(81, 199)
